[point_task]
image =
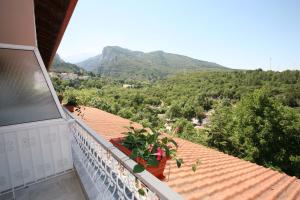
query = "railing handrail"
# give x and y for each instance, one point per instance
(155, 185)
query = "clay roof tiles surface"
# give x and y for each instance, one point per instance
(219, 176)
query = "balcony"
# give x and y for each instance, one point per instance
(106, 173)
(65, 159)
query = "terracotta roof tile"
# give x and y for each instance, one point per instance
(219, 176)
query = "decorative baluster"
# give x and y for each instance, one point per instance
(112, 180)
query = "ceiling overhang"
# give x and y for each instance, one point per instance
(51, 19)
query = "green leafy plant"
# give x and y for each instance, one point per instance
(72, 100)
(141, 192)
(150, 146)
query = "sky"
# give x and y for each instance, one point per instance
(241, 34)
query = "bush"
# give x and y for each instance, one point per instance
(125, 113)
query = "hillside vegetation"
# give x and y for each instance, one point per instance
(59, 65)
(125, 64)
(255, 113)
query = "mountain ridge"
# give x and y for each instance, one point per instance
(127, 64)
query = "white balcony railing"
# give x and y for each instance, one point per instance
(33, 152)
(106, 173)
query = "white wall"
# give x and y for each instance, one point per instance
(17, 23)
(30, 152)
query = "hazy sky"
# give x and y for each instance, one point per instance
(233, 33)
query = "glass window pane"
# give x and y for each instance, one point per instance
(24, 93)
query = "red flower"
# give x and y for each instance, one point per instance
(159, 153)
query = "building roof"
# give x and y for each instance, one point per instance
(219, 176)
(51, 19)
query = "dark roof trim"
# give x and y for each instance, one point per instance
(51, 18)
(63, 27)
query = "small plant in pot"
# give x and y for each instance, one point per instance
(72, 103)
(149, 149)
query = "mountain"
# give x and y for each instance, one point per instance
(126, 64)
(91, 64)
(59, 65)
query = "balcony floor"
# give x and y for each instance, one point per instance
(63, 187)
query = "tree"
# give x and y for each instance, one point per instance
(259, 129)
(174, 111)
(183, 128)
(292, 97)
(199, 112)
(137, 99)
(204, 101)
(188, 110)
(126, 113)
(219, 131)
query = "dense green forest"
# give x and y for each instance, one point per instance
(253, 115)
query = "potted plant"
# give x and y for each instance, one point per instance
(149, 149)
(71, 103)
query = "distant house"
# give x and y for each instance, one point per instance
(68, 76)
(195, 121)
(168, 127)
(161, 116)
(128, 86)
(53, 75)
(83, 77)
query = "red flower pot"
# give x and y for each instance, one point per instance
(157, 171)
(70, 108)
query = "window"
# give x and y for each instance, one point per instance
(24, 93)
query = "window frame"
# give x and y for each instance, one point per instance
(39, 59)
